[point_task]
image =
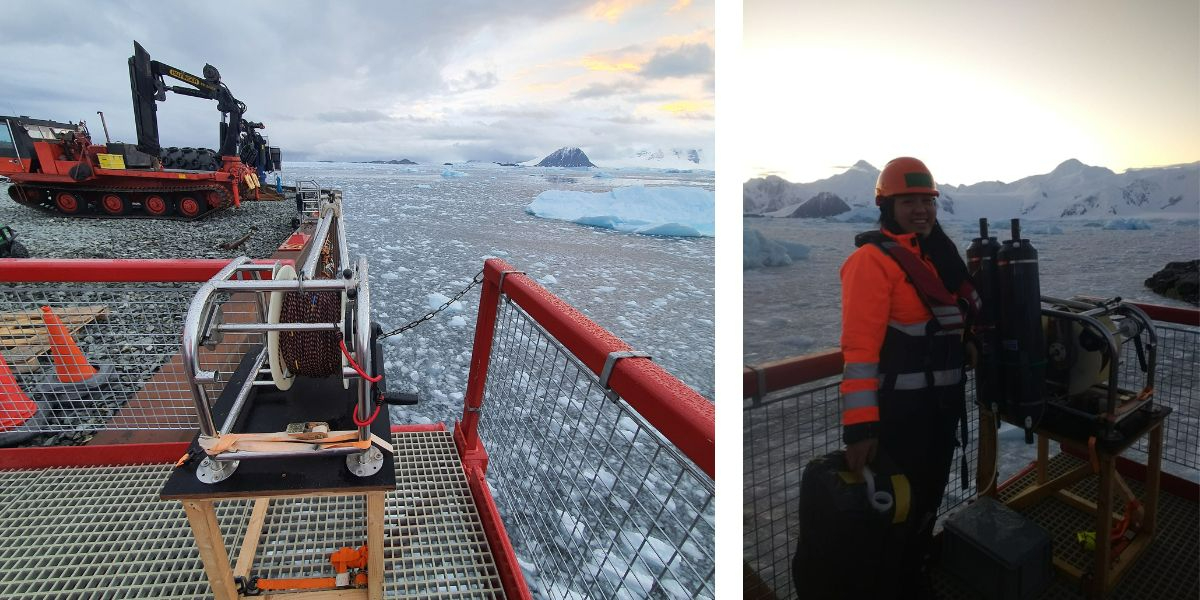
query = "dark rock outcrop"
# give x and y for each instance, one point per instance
(403, 161)
(1180, 280)
(823, 204)
(566, 157)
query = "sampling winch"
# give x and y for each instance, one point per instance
(312, 324)
(1041, 356)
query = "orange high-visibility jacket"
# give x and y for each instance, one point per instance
(880, 304)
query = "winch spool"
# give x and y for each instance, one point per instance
(308, 353)
(1076, 356)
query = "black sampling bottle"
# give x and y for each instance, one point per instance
(981, 264)
(1022, 340)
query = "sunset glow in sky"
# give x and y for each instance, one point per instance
(426, 80)
(979, 91)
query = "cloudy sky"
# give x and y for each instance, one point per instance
(431, 81)
(978, 90)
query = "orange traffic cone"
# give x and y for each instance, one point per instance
(15, 406)
(72, 366)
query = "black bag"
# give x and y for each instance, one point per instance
(847, 547)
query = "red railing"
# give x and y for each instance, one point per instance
(683, 416)
(95, 270)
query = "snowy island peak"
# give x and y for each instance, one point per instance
(1073, 189)
(566, 157)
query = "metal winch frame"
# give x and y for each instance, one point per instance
(205, 325)
(1132, 325)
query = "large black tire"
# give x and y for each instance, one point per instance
(194, 159)
(172, 158)
(207, 160)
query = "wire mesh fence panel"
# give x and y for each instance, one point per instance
(1176, 379)
(780, 434)
(597, 503)
(102, 356)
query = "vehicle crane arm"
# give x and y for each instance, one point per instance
(149, 87)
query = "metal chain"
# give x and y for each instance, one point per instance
(474, 280)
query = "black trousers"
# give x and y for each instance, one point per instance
(917, 433)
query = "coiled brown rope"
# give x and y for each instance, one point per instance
(312, 353)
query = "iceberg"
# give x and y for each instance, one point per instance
(675, 211)
(760, 251)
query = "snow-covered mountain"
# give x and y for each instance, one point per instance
(658, 158)
(566, 157)
(777, 197)
(1071, 190)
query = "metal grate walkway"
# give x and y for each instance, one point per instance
(102, 532)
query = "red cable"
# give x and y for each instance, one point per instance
(349, 359)
(368, 422)
(375, 379)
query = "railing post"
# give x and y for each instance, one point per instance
(466, 431)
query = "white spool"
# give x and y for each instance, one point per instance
(279, 374)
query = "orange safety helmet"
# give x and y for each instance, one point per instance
(904, 175)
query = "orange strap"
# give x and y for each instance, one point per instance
(1092, 457)
(314, 583)
(1130, 507)
(283, 442)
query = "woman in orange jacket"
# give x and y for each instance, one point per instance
(906, 296)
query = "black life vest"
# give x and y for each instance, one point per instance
(923, 357)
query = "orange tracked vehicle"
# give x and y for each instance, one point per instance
(57, 167)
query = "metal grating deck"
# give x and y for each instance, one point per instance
(1166, 571)
(102, 532)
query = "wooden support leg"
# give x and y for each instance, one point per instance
(213, 556)
(375, 521)
(985, 470)
(250, 540)
(1153, 473)
(1104, 495)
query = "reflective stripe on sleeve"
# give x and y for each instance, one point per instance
(862, 399)
(860, 370)
(854, 416)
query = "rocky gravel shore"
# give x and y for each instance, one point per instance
(46, 235)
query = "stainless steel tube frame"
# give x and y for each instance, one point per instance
(1114, 348)
(362, 346)
(190, 346)
(244, 392)
(330, 219)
